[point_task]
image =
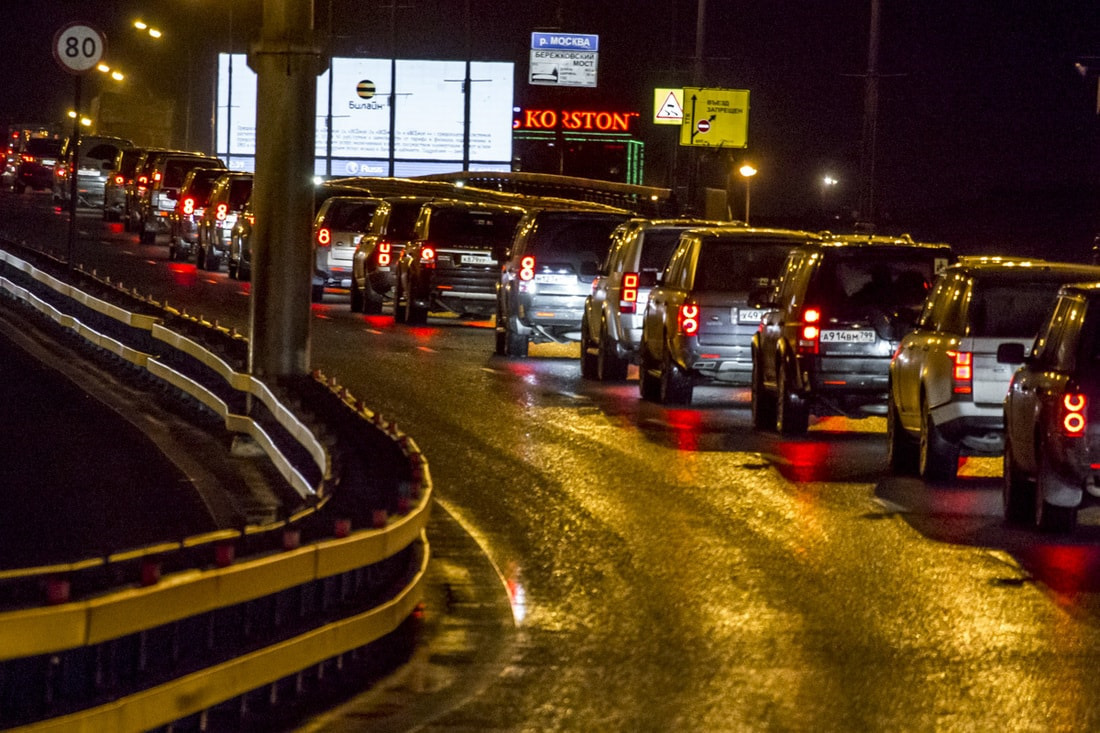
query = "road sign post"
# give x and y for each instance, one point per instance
(77, 47)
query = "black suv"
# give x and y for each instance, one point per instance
(374, 262)
(1052, 415)
(548, 276)
(839, 312)
(453, 261)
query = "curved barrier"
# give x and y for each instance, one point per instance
(146, 636)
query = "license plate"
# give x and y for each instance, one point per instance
(848, 337)
(749, 315)
(477, 259)
(555, 279)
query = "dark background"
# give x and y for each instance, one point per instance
(987, 134)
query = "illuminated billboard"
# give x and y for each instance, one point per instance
(353, 98)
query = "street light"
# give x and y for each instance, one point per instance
(747, 172)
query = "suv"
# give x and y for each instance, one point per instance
(555, 256)
(96, 165)
(640, 249)
(838, 315)
(158, 200)
(121, 177)
(700, 319)
(339, 223)
(1052, 415)
(238, 262)
(947, 388)
(228, 196)
(374, 262)
(36, 163)
(183, 222)
(453, 260)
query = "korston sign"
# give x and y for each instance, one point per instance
(568, 119)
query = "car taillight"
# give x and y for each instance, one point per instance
(119, 180)
(221, 211)
(1073, 414)
(142, 180)
(189, 205)
(385, 253)
(156, 176)
(809, 333)
(427, 256)
(687, 319)
(324, 237)
(628, 296)
(527, 268)
(27, 158)
(962, 371)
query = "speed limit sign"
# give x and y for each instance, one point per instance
(78, 47)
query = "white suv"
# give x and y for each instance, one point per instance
(947, 389)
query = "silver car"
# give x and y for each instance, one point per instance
(946, 387)
(612, 325)
(94, 168)
(339, 224)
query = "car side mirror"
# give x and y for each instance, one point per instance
(1011, 353)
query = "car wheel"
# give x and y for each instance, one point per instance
(1018, 491)
(763, 401)
(792, 415)
(610, 367)
(649, 386)
(233, 267)
(415, 314)
(146, 237)
(200, 256)
(173, 252)
(398, 306)
(676, 386)
(356, 297)
(1050, 517)
(902, 452)
(939, 457)
(316, 293)
(372, 301)
(515, 344)
(588, 359)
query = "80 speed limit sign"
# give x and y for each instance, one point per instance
(78, 47)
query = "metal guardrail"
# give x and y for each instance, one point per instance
(146, 636)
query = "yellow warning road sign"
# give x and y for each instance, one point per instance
(668, 106)
(715, 118)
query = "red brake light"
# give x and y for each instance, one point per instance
(527, 268)
(962, 371)
(1073, 415)
(427, 256)
(324, 237)
(385, 253)
(809, 335)
(687, 319)
(628, 295)
(119, 180)
(189, 205)
(221, 211)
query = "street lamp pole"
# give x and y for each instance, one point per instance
(747, 172)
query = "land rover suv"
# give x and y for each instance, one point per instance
(839, 312)
(554, 258)
(453, 261)
(947, 389)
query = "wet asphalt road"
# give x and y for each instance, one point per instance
(670, 569)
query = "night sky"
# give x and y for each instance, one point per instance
(985, 126)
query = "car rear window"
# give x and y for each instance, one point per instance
(565, 236)
(239, 191)
(731, 266)
(876, 278)
(657, 247)
(201, 185)
(176, 170)
(1015, 310)
(350, 216)
(471, 228)
(402, 222)
(42, 146)
(100, 151)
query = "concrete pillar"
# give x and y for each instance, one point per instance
(287, 61)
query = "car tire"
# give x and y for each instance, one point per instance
(372, 301)
(610, 367)
(902, 452)
(938, 457)
(792, 415)
(763, 401)
(676, 387)
(357, 305)
(173, 251)
(146, 237)
(516, 344)
(1050, 518)
(415, 314)
(234, 268)
(1018, 491)
(398, 306)
(649, 386)
(588, 359)
(316, 293)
